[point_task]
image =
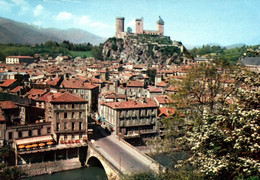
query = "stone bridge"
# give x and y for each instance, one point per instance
(118, 158)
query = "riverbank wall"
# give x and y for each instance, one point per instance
(37, 169)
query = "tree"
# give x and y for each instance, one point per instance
(7, 153)
(129, 30)
(151, 73)
(97, 52)
(221, 111)
(224, 136)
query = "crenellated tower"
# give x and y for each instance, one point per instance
(139, 28)
(120, 23)
(160, 26)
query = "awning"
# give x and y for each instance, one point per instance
(34, 140)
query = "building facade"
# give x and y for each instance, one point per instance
(68, 116)
(131, 119)
(19, 59)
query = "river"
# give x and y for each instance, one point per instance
(86, 173)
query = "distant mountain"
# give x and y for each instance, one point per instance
(189, 47)
(239, 45)
(17, 32)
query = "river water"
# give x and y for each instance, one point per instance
(86, 173)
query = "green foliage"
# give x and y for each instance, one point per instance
(153, 39)
(129, 30)
(96, 52)
(82, 54)
(141, 176)
(49, 48)
(13, 173)
(180, 174)
(7, 154)
(170, 50)
(225, 142)
(230, 56)
(151, 73)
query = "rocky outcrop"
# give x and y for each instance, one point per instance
(146, 49)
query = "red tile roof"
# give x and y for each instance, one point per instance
(173, 89)
(135, 84)
(153, 89)
(8, 82)
(164, 99)
(162, 84)
(7, 105)
(47, 96)
(66, 97)
(149, 102)
(35, 93)
(16, 89)
(53, 82)
(166, 111)
(113, 95)
(77, 84)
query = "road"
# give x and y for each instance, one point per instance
(121, 155)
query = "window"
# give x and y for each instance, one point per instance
(80, 125)
(65, 126)
(72, 136)
(39, 132)
(30, 133)
(72, 115)
(72, 106)
(73, 126)
(65, 115)
(58, 126)
(80, 114)
(57, 115)
(10, 135)
(48, 130)
(20, 134)
(80, 136)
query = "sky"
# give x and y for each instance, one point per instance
(193, 22)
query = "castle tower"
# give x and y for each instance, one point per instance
(120, 26)
(139, 29)
(160, 26)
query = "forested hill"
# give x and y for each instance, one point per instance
(22, 33)
(229, 55)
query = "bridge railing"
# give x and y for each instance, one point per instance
(157, 166)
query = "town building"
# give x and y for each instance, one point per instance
(85, 90)
(68, 116)
(19, 59)
(132, 119)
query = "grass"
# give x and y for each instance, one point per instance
(82, 54)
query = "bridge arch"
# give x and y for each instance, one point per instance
(95, 162)
(96, 159)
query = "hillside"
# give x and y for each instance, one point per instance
(22, 33)
(145, 49)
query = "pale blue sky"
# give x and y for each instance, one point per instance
(194, 22)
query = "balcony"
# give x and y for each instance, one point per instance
(148, 131)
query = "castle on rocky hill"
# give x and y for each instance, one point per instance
(138, 27)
